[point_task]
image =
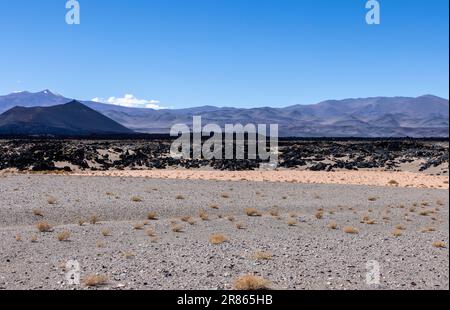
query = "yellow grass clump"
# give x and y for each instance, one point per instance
(106, 232)
(397, 232)
(252, 212)
(333, 225)
(95, 280)
(203, 215)
(350, 230)
(217, 239)
(439, 244)
(43, 227)
(262, 255)
(151, 215)
(63, 235)
(251, 283)
(292, 222)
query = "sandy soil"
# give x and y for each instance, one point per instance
(373, 178)
(307, 255)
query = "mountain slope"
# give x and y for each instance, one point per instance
(72, 118)
(424, 116)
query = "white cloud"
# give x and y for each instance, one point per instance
(131, 101)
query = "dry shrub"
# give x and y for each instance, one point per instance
(400, 227)
(252, 212)
(151, 215)
(214, 207)
(51, 200)
(372, 198)
(262, 255)
(333, 225)
(129, 255)
(34, 239)
(38, 212)
(100, 244)
(95, 280)
(179, 197)
(231, 218)
(18, 238)
(217, 239)
(425, 212)
(138, 226)
(94, 219)
(80, 222)
(397, 232)
(203, 215)
(240, 226)
(440, 203)
(319, 214)
(393, 182)
(106, 232)
(224, 195)
(366, 220)
(274, 213)
(136, 199)
(439, 244)
(350, 230)
(251, 283)
(43, 227)
(151, 232)
(63, 235)
(177, 228)
(292, 222)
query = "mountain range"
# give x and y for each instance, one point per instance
(69, 119)
(424, 116)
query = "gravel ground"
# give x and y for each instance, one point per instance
(308, 255)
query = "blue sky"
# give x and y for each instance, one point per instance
(243, 53)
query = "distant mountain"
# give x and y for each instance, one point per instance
(71, 119)
(425, 116)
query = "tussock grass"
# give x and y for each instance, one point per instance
(225, 195)
(129, 255)
(51, 200)
(274, 213)
(63, 235)
(425, 212)
(106, 232)
(393, 182)
(292, 222)
(252, 212)
(427, 229)
(319, 214)
(138, 226)
(18, 238)
(400, 227)
(350, 230)
(179, 197)
(38, 212)
(439, 244)
(93, 219)
(150, 232)
(136, 199)
(262, 255)
(100, 244)
(177, 228)
(80, 222)
(397, 232)
(240, 226)
(151, 216)
(217, 239)
(333, 225)
(213, 206)
(366, 220)
(203, 215)
(43, 227)
(231, 218)
(34, 238)
(251, 283)
(95, 280)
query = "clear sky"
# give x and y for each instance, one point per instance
(243, 53)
